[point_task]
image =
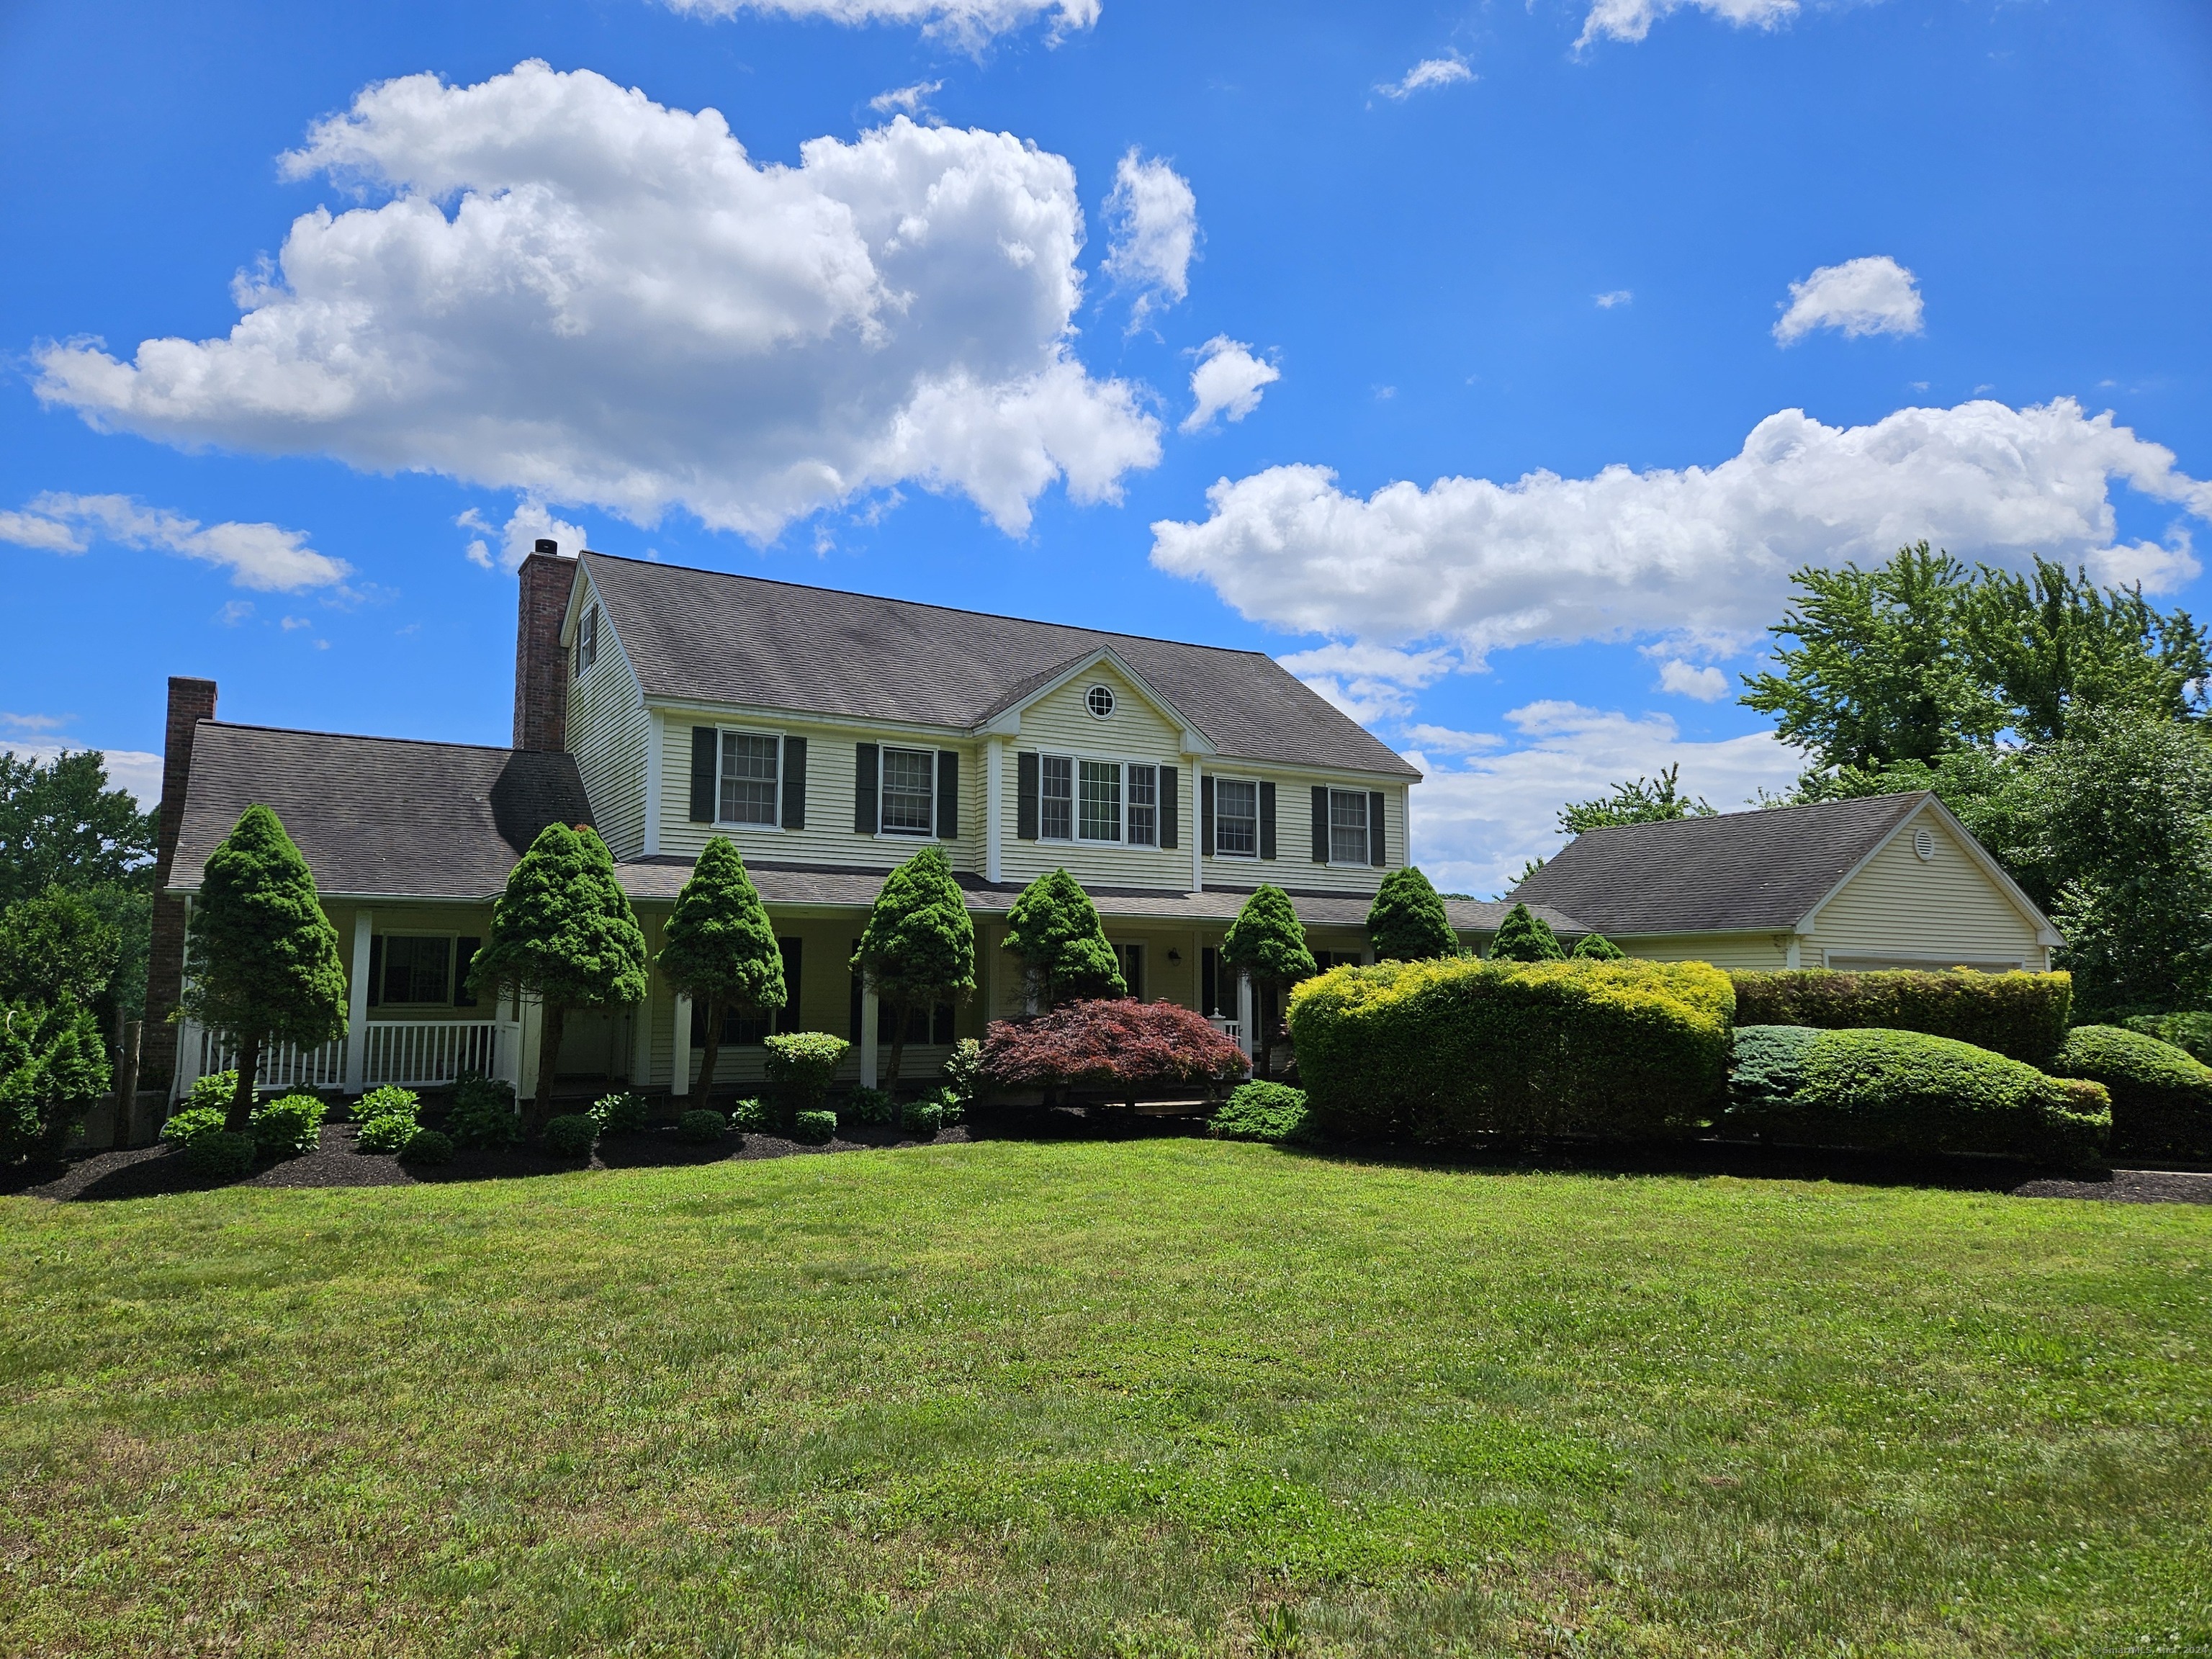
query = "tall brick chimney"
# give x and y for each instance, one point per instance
(191, 701)
(541, 667)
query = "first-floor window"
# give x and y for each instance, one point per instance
(909, 796)
(1056, 798)
(1102, 800)
(1143, 805)
(749, 777)
(1347, 826)
(411, 968)
(1236, 819)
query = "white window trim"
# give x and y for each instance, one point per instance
(882, 751)
(1252, 857)
(1075, 757)
(737, 824)
(452, 953)
(1367, 831)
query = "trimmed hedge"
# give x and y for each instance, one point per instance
(220, 1154)
(2161, 1094)
(702, 1127)
(1447, 1052)
(813, 1128)
(1261, 1111)
(571, 1134)
(2191, 1032)
(798, 1067)
(427, 1146)
(1886, 1091)
(2022, 1016)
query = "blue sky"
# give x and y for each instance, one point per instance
(918, 311)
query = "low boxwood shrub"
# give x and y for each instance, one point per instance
(427, 1146)
(702, 1127)
(289, 1126)
(814, 1128)
(219, 1155)
(1449, 1051)
(922, 1118)
(2161, 1094)
(2020, 1015)
(2191, 1032)
(752, 1117)
(390, 1134)
(799, 1066)
(869, 1106)
(482, 1112)
(1261, 1111)
(1116, 1043)
(1908, 1091)
(621, 1114)
(571, 1134)
(390, 1101)
(187, 1125)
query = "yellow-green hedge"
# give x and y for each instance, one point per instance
(1449, 1052)
(2021, 1015)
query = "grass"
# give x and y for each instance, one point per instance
(1141, 1398)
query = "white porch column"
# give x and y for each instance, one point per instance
(867, 1039)
(1196, 826)
(640, 1038)
(994, 804)
(679, 1080)
(1244, 1013)
(356, 1060)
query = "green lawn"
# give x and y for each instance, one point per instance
(1150, 1398)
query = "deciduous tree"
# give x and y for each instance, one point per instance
(720, 948)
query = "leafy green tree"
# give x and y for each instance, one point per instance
(919, 947)
(1407, 922)
(61, 826)
(1597, 947)
(1053, 928)
(564, 932)
(56, 948)
(720, 948)
(261, 960)
(1524, 936)
(1268, 943)
(52, 1067)
(1880, 671)
(1641, 800)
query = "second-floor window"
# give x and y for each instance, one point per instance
(1056, 798)
(909, 791)
(1100, 818)
(587, 641)
(1347, 826)
(1143, 805)
(1236, 819)
(750, 778)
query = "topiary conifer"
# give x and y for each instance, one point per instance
(720, 948)
(1268, 943)
(1407, 922)
(1525, 936)
(1597, 947)
(261, 960)
(563, 931)
(919, 947)
(1053, 928)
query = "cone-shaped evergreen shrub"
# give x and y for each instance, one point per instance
(1597, 947)
(1524, 936)
(919, 947)
(564, 931)
(720, 948)
(1268, 943)
(1407, 922)
(52, 1067)
(1053, 928)
(261, 962)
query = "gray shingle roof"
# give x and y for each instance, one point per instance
(377, 815)
(707, 637)
(1738, 873)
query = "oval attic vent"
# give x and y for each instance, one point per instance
(1924, 842)
(1100, 700)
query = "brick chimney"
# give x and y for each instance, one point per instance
(541, 667)
(191, 701)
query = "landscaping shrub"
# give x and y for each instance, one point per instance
(1597, 947)
(922, 1119)
(1121, 1044)
(219, 1155)
(964, 1070)
(390, 1101)
(1261, 1111)
(752, 1117)
(53, 1066)
(869, 1106)
(814, 1128)
(2022, 1016)
(427, 1146)
(1908, 1091)
(2192, 1032)
(571, 1134)
(1446, 1052)
(1524, 936)
(289, 1127)
(800, 1065)
(482, 1112)
(620, 1114)
(2161, 1094)
(185, 1126)
(214, 1091)
(951, 1109)
(1407, 922)
(393, 1132)
(702, 1127)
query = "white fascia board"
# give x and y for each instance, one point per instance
(1007, 722)
(2045, 934)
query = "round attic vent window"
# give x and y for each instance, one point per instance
(1099, 699)
(1924, 843)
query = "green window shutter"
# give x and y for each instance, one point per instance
(1375, 829)
(1266, 820)
(864, 789)
(948, 794)
(1320, 824)
(706, 750)
(1170, 829)
(1026, 787)
(794, 783)
(1206, 816)
(465, 955)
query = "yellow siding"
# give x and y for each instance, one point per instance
(1721, 950)
(1939, 910)
(1135, 731)
(1294, 865)
(606, 732)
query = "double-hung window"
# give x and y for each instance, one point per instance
(1100, 818)
(1347, 826)
(1056, 798)
(587, 641)
(909, 791)
(1236, 819)
(1143, 806)
(750, 779)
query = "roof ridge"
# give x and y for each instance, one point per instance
(370, 737)
(1761, 811)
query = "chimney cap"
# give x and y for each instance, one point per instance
(545, 545)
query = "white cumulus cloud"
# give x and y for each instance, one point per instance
(1429, 72)
(264, 556)
(972, 23)
(518, 535)
(1689, 680)
(1631, 20)
(1369, 682)
(1153, 213)
(574, 292)
(914, 100)
(1874, 295)
(1702, 553)
(1228, 381)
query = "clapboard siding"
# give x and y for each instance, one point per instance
(1136, 731)
(1721, 950)
(607, 733)
(1941, 910)
(1292, 865)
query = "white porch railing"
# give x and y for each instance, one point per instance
(1231, 1029)
(413, 1054)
